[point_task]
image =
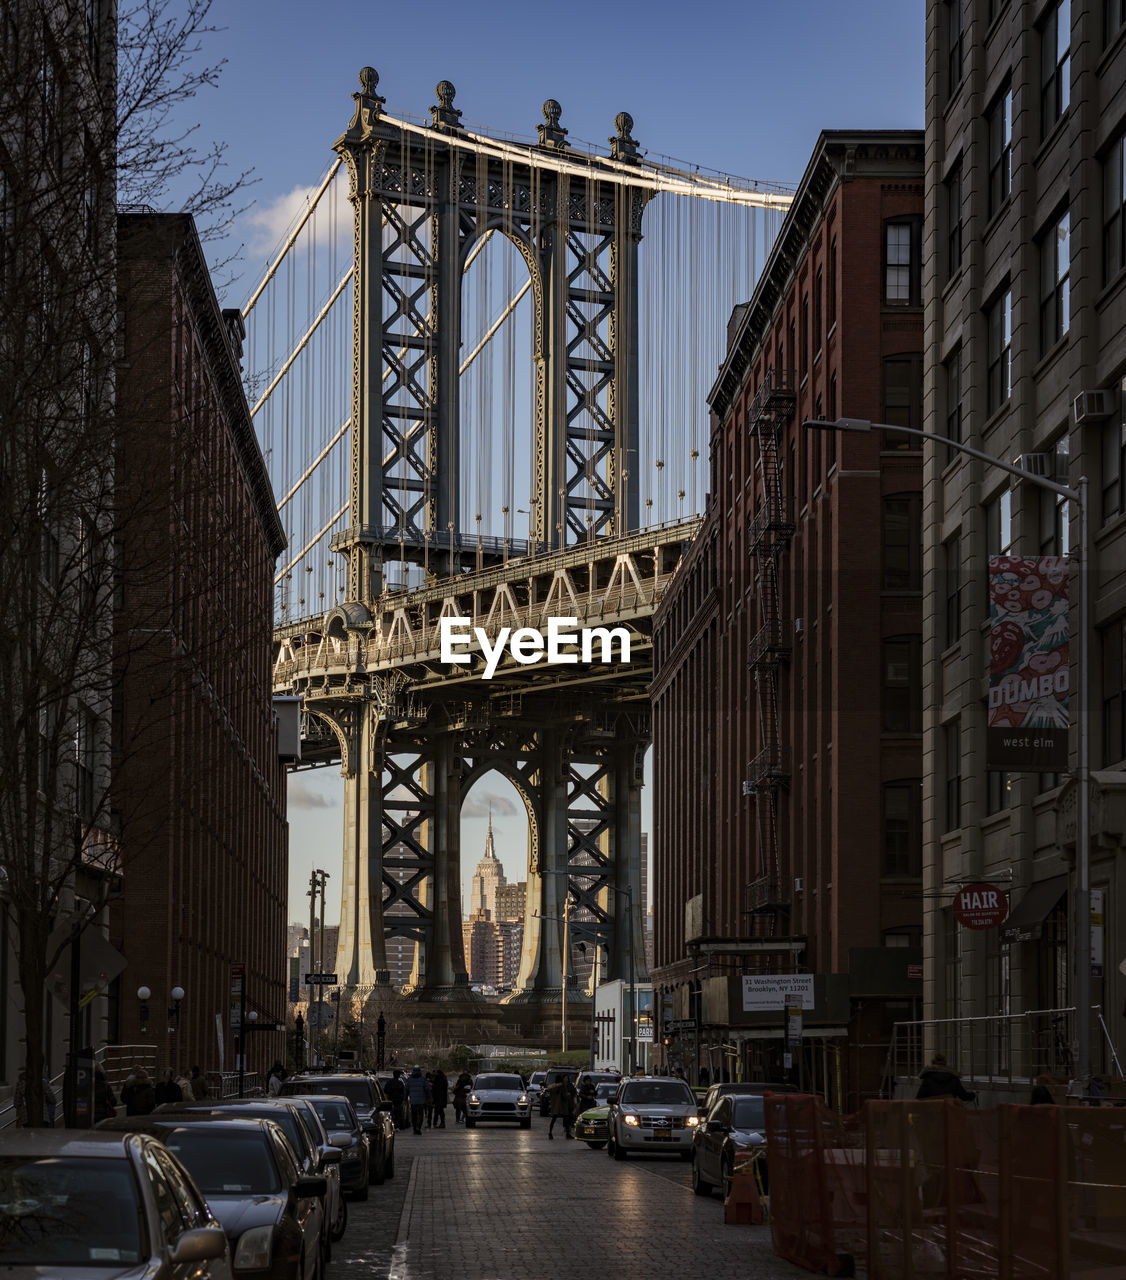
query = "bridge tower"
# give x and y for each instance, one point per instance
(423, 198)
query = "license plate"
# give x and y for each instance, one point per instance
(660, 1136)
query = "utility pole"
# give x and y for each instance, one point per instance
(566, 948)
(312, 1018)
(323, 875)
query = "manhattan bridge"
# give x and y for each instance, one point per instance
(478, 368)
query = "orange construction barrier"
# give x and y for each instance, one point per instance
(743, 1204)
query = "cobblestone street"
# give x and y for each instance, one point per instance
(499, 1203)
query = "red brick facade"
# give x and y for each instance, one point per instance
(199, 787)
(806, 858)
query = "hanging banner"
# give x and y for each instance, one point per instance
(1028, 663)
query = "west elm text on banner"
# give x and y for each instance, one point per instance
(1028, 663)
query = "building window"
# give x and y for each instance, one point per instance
(999, 524)
(953, 379)
(831, 442)
(1112, 642)
(903, 400)
(953, 767)
(903, 828)
(805, 335)
(1000, 119)
(1114, 204)
(954, 220)
(1114, 457)
(909, 935)
(1055, 299)
(1054, 530)
(999, 791)
(903, 542)
(952, 557)
(999, 362)
(85, 756)
(48, 724)
(793, 352)
(818, 303)
(1055, 65)
(831, 316)
(903, 263)
(955, 35)
(902, 700)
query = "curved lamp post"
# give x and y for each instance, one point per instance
(1081, 901)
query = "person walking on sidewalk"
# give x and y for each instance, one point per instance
(461, 1095)
(418, 1094)
(440, 1086)
(562, 1106)
(938, 1081)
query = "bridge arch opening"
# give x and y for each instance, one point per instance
(497, 391)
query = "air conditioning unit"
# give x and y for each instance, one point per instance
(1036, 464)
(1093, 406)
(799, 883)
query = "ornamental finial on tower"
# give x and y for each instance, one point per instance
(551, 135)
(368, 102)
(445, 115)
(624, 147)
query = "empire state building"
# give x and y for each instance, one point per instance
(486, 880)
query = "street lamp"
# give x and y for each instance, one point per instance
(1081, 911)
(143, 994)
(177, 994)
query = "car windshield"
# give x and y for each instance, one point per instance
(357, 1091)
(226, 1162)
(335, 1114)
(284, 1118)
(536, 1077)
(749, 1112)
(606, 1091)
(68, 1213)
(643, 1093)
(498, 1082)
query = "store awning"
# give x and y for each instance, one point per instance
(1026, 920)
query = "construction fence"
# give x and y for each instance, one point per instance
(935, 1191)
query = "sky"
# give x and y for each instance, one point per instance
(741, 86)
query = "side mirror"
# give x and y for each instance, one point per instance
(331, 1155)
(305, 1188)
(389, 1107)
(369, 1126)
(201, 1244)
(717, 1126)
(339, 1141)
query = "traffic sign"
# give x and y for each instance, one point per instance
(980, 906)
(320, 979)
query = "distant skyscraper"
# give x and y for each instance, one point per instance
(488, 877)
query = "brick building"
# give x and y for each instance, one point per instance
(1025, 287)
(791, 639)
(198, 782)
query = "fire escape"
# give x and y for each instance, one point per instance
(770, 532)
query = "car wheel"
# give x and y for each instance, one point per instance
(326, 1250)
(342, 1220)
(728, 1171)
(375, 1171)
(526, 1123)
(700, 1187)
(470, 1124)
(389, 1167)
(619, 1152)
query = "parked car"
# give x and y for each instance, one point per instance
(495, 1096)
(592, 1125)
(550, 1076)
(306, 1136)
(721, 1090)
(593, 1079)
(734, 1127)
(272, 1214)
(101, 1205)
(535, 1086)
(346, 1133)
(373, 1108)
(652, 1113)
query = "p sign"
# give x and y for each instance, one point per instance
(980, 906)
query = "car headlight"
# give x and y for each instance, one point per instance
(254, 1249)
(631, 1120)
(474, 1100)
(692, 1121)
(522, 1100)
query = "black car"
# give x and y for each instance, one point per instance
(343, 1125)
(245, 1168)
(721, 1089)
(552, 1076)
(374, 1110)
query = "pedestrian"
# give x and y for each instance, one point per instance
(396, 1095)
(19, 1100)
(430, 1100)
(461, 1094)
(587, 1095)
(418, 1091)
(441, 1089)
(938, 1081)
(705, 1078)
(1041, 1093)
(168, 1090)
(562, 1105)
(138, 1095)
(199, 1085)
(274, 1080)
(105, 1104)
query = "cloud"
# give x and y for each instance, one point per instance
(270, 223)
(477, 806)
(302, 796)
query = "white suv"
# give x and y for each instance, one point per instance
(652, 1113)
(498, 1097)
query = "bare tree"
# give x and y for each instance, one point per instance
(89, 102)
